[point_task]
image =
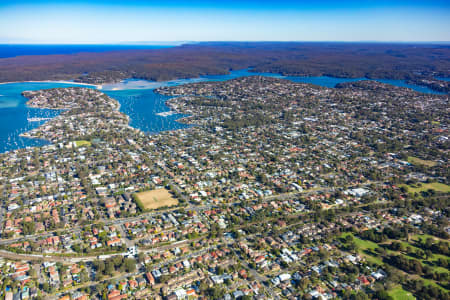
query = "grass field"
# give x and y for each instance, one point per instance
(436, 186)
(417, 161)
(82, 143)
(431, 262)
(362, 244)
(366, 245)
(155, 199)
(399, 293)
(366, 249)
(421, 237)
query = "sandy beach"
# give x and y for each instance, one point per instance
(97, 86)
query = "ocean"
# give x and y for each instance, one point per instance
(12, 50)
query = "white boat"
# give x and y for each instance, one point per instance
(37, 119)
(166, 113)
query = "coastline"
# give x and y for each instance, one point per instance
(432, 89)
(175, 111)
(186, 120)
(97, 86)
(27, 134)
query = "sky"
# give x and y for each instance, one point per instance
(114, 21)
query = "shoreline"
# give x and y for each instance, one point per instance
(27, 135)
(174, 111)
(282, 76)
(97, 86)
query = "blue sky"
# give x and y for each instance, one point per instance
(115, 21)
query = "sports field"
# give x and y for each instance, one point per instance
(418, 161)
(156, 198)
(436, 186)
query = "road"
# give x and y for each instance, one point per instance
(128, 275)
(119, 222)
(260, 278)
(76, 259)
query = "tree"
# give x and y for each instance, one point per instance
(383, 295)
(219, 270)
(360, 295)
(130, 265)
(84, 276)
(109, 268)
(99, 288)
(46, 287)
(28, 228)
(215, 292)
(76, 248)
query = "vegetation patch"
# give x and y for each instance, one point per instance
(423, 187)
(155, 199)
(417, 161)
(399, 293)
(425, 258)
(362, 244)
(364, 247)
(82, 143)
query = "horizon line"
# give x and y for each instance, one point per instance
(179, 43)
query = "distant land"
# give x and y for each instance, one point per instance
(423, 64)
